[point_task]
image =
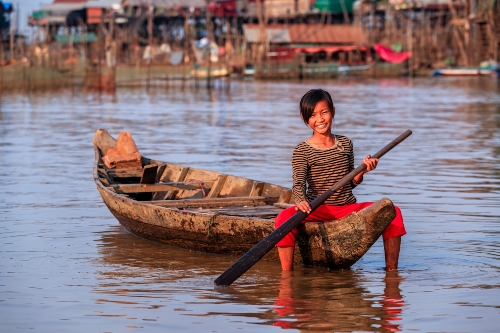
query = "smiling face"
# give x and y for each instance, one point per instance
(321, 118)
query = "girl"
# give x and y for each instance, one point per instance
(317, 164)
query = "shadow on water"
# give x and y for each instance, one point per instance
(307, 299)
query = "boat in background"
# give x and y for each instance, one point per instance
(202, 72)
(462, 71)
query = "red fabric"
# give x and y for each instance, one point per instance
(222, 8)
(329, 213)
(390, 55)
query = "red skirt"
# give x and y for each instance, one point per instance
(329, 213)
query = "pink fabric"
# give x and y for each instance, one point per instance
(329, 213)
(390, 55)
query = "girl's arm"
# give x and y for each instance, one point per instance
(299, 174)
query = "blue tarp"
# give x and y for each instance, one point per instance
(5, 10)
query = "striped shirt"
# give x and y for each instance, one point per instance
(315, 170)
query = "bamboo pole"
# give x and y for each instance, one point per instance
(262, 18)
(344, 11)
(210, 38)
(409, 32)
(150, 43)
(1, 66)
(229, 52)
(186, 50)
(12, 31)
(439, 36)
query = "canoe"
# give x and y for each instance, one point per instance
(462, 71)
(202, 73)
(217, 213)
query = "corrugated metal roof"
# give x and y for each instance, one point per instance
(327, 34)
(273, 35)
(62, 7)
(103, 3)
(307, 34)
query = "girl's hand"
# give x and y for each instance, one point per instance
(304, 207)
(371, 163)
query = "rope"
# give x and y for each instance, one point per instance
(200, 184)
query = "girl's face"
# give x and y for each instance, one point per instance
(321, 118)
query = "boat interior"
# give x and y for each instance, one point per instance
(175, 186)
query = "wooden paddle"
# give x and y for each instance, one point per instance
(260, 249)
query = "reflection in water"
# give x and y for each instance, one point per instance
(337, 302)
(307, 299)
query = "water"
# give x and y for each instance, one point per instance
(67, 265)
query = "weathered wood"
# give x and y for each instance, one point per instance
(103, 140)
(180, 178)
(216, 202)
(217, 187)
(283, 205)
(149, 178)
(262, 212)
(159, 195)
(149, 174)
(139, 188)
(257, 188)
(285, 196)
(104, 181)
(125, 173)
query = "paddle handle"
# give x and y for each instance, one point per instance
(249, 259)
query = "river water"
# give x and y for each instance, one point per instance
(67, 265)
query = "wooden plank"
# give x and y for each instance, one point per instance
(257, 188)
(148, 177)
(283, 205)
(125, 173)
(262, 212)
(285, 196)
(217, 187)
(180, 178)
(216, 202)
(139, 188)
(149, 174)
(104, 181)
(159, 195)
(104, 178)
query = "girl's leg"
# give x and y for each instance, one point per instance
(286, 257)
(286, 247)
(392, 241)
(391, 250)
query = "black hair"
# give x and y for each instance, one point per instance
(310, 99)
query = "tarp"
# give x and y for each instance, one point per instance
(390, 55)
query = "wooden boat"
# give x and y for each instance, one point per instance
(202, 72)
(213, 212)
(462, 71)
